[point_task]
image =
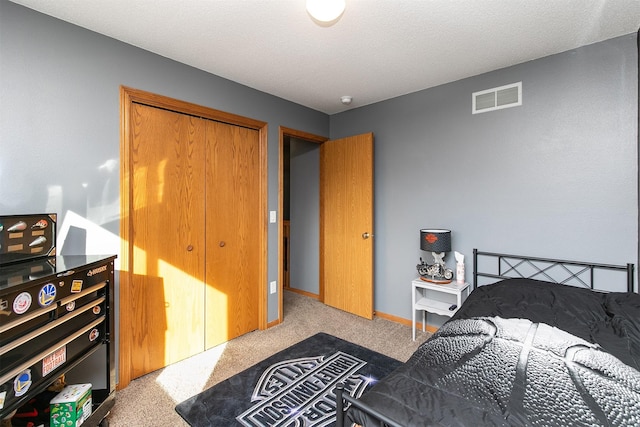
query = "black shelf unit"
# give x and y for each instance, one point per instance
(56, 317)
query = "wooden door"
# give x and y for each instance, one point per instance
(233, 224)
(167, 220)
(346, 224)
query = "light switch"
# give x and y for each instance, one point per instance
(272, 287)
(272, 217)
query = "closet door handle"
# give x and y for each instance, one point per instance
(222, 244)
(189, 248)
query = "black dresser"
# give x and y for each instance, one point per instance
(56, 317)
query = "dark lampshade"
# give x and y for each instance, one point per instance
(435, 240)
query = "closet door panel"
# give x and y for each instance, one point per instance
(167, 286)
(232, 227)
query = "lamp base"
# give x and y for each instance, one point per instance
(436, 280)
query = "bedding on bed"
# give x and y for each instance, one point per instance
(522, 352)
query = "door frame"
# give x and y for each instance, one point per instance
(284, 132)
(128, 96)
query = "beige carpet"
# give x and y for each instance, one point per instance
(150, 400)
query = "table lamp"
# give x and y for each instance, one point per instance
(438, 242)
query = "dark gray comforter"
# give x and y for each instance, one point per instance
(522, 353)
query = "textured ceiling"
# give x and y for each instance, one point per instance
(378, 49)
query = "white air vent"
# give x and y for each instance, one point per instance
(497, 98)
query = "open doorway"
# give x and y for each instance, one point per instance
(299, 203)
(330, 198)
(302, 198)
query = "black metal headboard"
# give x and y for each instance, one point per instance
(504, 266)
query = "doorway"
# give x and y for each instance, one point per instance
(331, 210)
(303, 148)
(302, 215)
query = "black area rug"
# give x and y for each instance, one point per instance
(291, 388)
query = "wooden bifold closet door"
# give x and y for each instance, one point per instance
(232, 229)
(195, 224)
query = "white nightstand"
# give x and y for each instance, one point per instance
(434, 298)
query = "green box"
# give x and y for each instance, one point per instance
(71, 406)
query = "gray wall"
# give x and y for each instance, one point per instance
(305, 216)
(59, 124)
(556, 177)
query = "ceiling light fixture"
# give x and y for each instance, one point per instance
(325, 10)
(346, 100)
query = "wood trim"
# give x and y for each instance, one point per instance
(286, 244)
(321, 240)
(283, 132)
(128, 96)
(160, 101)
(274, 323)
(305, 293)
(302, 135)
(263, 309)
(126, 243)
(429, 328)
(280, 276)
(406, 322)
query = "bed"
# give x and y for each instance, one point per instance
(539, 342)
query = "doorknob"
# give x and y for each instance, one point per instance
(222, 244)
(190, 248)
(366, 235)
